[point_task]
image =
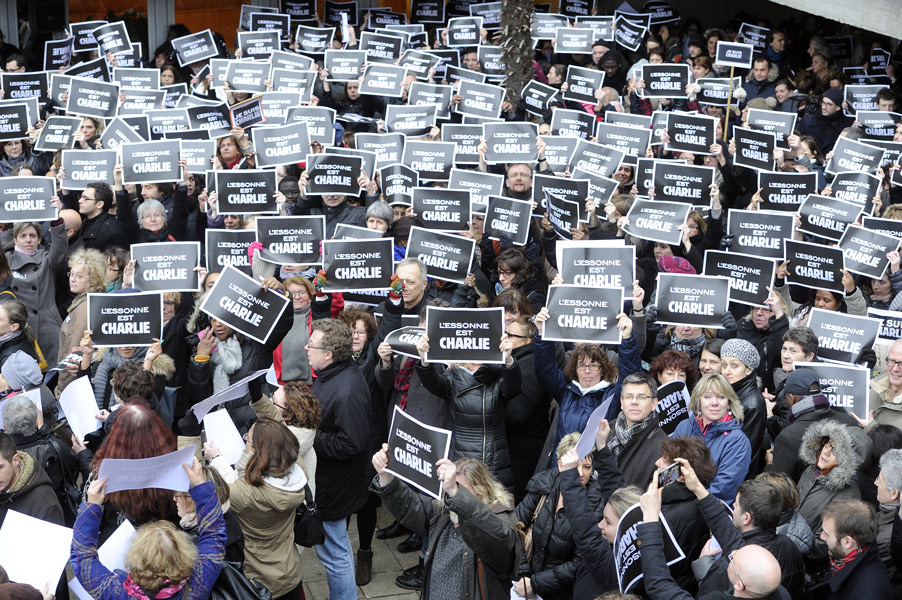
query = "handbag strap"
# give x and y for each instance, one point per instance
(539, 506)
(480, 575)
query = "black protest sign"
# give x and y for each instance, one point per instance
(673, 405)
(464, 31)
(380, 48)
(412, 121)
(657, 221)
(130, 58)
(118, 132)
(628, 548)
(827, 217)
(574, 40)
(319, 121)
(258, 44)
(117, 320)
(291, 61)
(404, 341)
(229, 247)
(691, 133)
(491, 61)
(195, 47)
(573, 8)
(470, 335)
(428, 94)
(418, 63)
(572, 123)
(247, 76)
(846, 386)
(27, 199)
(890, 324)
(675, 182)
(247, 10)
(754, 149)
(508, 219)
(841, 47)
(601, 189)
(97, 69)
(849, 155)
(842, 337)
(291, 240)
(749, 275)
(861, 97)
(758, 232)
(334, 10)
(466, 139)
(275, 105)
(633, 141)
(717, 91)
(785, 191)
(58, 132)
(299, 10)
(86, 166)
(490, 12)
(432, 160)
(354, 265)
(397, 183)
(446, 256)
(388, 147)
(582, 83)
(140, 125)
(891, 227)
(239, 302)
(536, 97)
(92, 98)
(659, 120)
(510, 142)
(782, 124)
(344, 65)
(627, 34)
(442, 209)
(865, 251)
(693, 300)
(14, 123)
(814, 266)
(583, 314)
(383, 80)
(595, 158)
(150, 162)
(167, 120)
(603, 26)
(856, 75)
(333, 174)
(288, 80)
(314, 39)
(279, 23)
(17, 86)
(562, 214)
(878, 62)
(878, 124)
(353, 232)
(597, 264)
(574, 190)
(136, 78)
(480, 185)
(248, 113)
(733, 54)
(83, 33)
(480, 99)
(558, 149)
(282, 145)
(136, 102)
(174, 93)
(166, 266)
(58, 53)
(857, 187)
(754, 35)
(427, 11)
(665, 81)
(113, 38)
(194, 135)
(246, 191)
(414, 448)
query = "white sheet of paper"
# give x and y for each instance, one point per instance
(271, 377)
(33, 551)
(163, 472)
(233, 392)
(221, 431)
(80, 406)
(111, 555)
(587, 437)
(33, 395)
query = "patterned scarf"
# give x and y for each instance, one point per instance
(691, 346)
(837, 564)
(402, 381)
(168, 590)
(623, 434)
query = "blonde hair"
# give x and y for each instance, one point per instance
(718, 384)
(567, 442)
(622, 498)
(783, 306)
(160, 551)
(95, 262)
(486, 488)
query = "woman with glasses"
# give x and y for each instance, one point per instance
(513, 270)
(116, 260)
(87, 275)
(152, 222)
(715, 415)
(850, 301)
(764, 327)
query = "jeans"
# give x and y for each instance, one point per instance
(336, 556)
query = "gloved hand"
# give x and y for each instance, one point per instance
(395, 291)
(319, 282)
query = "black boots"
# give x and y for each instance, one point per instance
(392, 531)
(412, 578)
(364, 567)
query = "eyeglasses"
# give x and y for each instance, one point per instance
(505, 272)
(152, 215)
(86, 198)
(78, 276)
(316, 347)
(892, 364)
(639, 397)
(299, 294)
(514, 335)
(355, 333)
(730, 558)
(112, 268)
(591, 368)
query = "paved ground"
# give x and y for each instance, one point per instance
(387, 564)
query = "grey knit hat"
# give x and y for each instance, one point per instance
(742, 350)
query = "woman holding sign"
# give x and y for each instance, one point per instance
(87, 274)
(851, 302)
(152, 223)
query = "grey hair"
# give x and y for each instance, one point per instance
(406, 262)
(20, 415)
(891, 465)
(380, 210)
(151, 205)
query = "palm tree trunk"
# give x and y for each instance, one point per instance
(516, 17)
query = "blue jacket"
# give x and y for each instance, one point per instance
(575, 407)
(730, 451)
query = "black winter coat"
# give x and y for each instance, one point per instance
(343, 213)
(554, 561)
(342, 442)
(754, 422)
(768, 344)
(526, 421)
(102, 232)
(637, 458)
(864, 577)
(174, 228)
(478, 402)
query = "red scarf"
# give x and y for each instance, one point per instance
(167, 591)
(837, 565)
(402, 381)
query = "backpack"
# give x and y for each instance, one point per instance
(56, 462)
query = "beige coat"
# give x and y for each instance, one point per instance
(71, 331)
(887, 412)
(306, 457)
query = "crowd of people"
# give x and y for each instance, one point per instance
(777, 493)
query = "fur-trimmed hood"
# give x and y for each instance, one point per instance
(849, 449)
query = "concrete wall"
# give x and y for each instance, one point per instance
(881, 16)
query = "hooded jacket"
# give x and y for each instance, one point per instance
(850, 447)
(32, 494)
(730, 451)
